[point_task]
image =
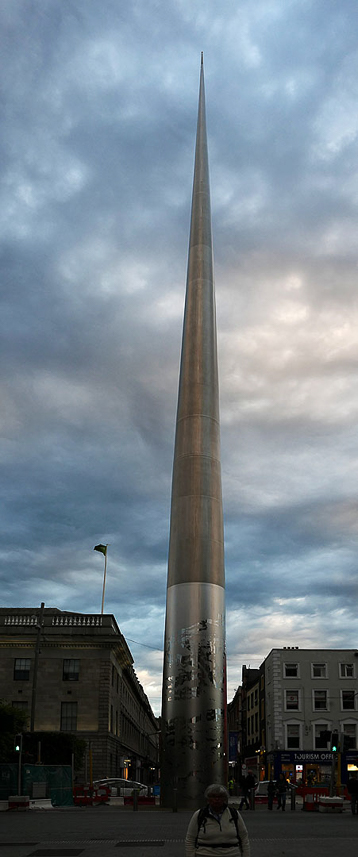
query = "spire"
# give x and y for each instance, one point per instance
(194, 659)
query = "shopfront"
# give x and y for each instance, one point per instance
(311, 768)
(307, 768)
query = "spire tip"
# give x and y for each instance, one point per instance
(202, 58)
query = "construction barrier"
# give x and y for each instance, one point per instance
(19, 802)
(330, 804)
(90, 796)
(311, 802)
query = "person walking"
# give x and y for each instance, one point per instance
(218, 830)
(352, 787)
(281, 792)
(271, 791)
(247, 784)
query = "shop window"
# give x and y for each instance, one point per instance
(346, 670)
(292, 700)
(293, 736)
(68, 716)
(320, 700)
(348, 700)
(319, 670)
(22, 669)
(71, 669)
(290, 671)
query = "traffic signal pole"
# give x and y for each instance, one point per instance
(335, 759)
(18, 747)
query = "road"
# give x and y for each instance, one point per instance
(112, 832)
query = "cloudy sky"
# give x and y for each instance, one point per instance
(98, 118)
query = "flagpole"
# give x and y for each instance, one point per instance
(104, 579)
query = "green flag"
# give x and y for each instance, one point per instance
(101, 548)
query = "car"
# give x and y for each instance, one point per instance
(121, 787)
(261, 789)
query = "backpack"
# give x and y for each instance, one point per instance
(204, 814)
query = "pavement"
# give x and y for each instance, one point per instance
(106, 831)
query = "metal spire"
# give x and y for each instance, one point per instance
(194, 700)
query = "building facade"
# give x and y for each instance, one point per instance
(73, 672)
(311, 694)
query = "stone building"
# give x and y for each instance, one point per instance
(73, 672)
(310, 694)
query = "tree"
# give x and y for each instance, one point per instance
(12, 721)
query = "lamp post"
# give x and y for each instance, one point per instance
(36, 666)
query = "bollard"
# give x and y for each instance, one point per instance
(175, 800)
(293, 798)
(252, 799)
(135, 800)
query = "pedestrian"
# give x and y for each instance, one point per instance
(271, 791)
(281, 792)
(218, 829)
(352, 787)
(247, 784)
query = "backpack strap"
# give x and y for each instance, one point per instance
(203, 814)
(235, 818)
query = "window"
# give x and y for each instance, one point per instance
(320, 700)
(21, 703)
(22, 669)
(256, 697)
(68, 716)
(293, 736)
(348, 698)
(290, 670)
(71, 669)
(322, 736)
(319, 670)
(349, 737)
(346, 670)
(292, 700)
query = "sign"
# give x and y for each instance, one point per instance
(233, 742)
(244, 768)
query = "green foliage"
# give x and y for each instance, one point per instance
(56, 747)
(12, 721)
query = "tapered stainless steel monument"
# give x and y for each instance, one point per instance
(194, 689)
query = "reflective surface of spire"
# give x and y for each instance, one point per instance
(194, 693)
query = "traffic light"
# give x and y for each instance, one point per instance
(18, 743)
(334, 742)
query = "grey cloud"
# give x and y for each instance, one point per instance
(98, 123)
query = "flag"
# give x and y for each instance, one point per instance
(101, 548)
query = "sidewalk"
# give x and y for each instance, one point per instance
(113, 832)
